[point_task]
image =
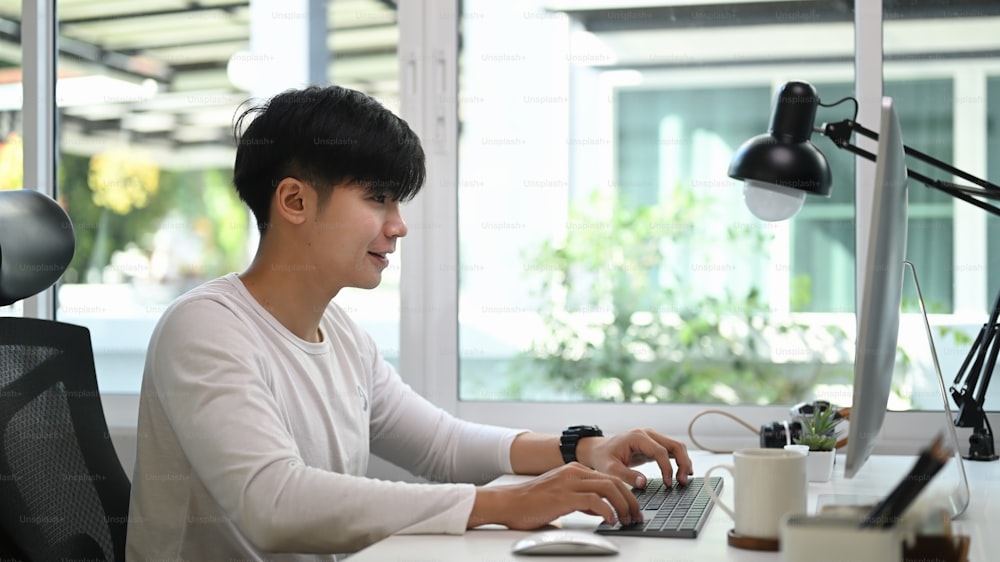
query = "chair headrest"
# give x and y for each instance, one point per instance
(36, 243)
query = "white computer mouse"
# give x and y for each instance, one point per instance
(565, 541)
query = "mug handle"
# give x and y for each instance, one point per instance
(711, 491)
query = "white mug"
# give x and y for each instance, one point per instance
(769, 484)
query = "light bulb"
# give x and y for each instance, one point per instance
(772, 202)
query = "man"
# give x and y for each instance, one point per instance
(261, 400)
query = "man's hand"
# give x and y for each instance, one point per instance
(616, 455)
(568, 488)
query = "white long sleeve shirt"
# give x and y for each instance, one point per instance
(252, 441)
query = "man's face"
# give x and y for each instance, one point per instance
(354, 232)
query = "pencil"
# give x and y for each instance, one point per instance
(887, 512)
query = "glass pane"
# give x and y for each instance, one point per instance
(363, 40)
(11, 143)
(925, 109)
(993, 221)
(147, 99)
(604, 252)
(938, 63)
(823, 234)
(993, 174)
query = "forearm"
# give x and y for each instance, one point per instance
(534, 453)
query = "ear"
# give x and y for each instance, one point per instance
(291, 198)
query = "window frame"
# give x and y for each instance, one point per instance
(429, 339)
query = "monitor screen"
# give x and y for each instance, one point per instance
(879, 284)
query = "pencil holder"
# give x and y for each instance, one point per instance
(837, 539)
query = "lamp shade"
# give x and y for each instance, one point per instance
(783, 160)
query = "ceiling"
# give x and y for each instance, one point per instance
(154, 72)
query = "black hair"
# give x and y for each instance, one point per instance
(325, 136)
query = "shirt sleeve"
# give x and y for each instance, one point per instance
(410, 431)
(208, 380)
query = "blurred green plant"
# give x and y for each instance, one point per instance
(624, 321)
(201, 203)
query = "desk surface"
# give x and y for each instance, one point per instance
(874, 480)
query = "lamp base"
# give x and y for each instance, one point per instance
(981, 447)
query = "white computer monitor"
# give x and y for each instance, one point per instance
(879, 285)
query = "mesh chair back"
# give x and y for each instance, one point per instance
(63, 491)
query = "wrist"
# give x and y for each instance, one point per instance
(488, 507)
(572, 438)
(584, 448)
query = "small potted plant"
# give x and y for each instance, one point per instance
(820, 434)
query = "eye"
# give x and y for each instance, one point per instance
(379, 198)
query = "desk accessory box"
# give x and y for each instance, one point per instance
(840, 538)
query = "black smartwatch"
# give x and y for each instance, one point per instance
(572, 435)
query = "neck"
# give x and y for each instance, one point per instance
(289, 293)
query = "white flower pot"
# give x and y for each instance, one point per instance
(819, 466)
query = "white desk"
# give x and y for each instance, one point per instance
(981, 521)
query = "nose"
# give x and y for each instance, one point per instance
(395, 226)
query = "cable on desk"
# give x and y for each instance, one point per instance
(845, 413)
(738, 420)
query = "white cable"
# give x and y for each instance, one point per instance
(721, 412)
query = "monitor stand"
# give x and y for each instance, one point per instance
(958, 499)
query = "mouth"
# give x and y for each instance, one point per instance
(382, 258)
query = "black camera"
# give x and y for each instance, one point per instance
(778, 434)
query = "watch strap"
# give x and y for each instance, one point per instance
(571, 438)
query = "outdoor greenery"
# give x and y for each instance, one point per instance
(624, 321)
(134, 210)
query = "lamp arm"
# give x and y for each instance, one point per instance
(991, 344)
(840, 133)
(977, 369)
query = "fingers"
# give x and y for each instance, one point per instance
(604, 495)
(633, 478)
(662, 449)
(678, 452)
(570, 487)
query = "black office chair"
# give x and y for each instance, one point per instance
(63, 492)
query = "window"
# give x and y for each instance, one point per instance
(605, 255)
(993, 171)
(552, 126)
(147, 98)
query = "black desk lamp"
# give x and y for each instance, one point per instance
(780, 167)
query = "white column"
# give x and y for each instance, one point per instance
(38, 59)
(868, 50)
(971, 295)
(428, 323)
